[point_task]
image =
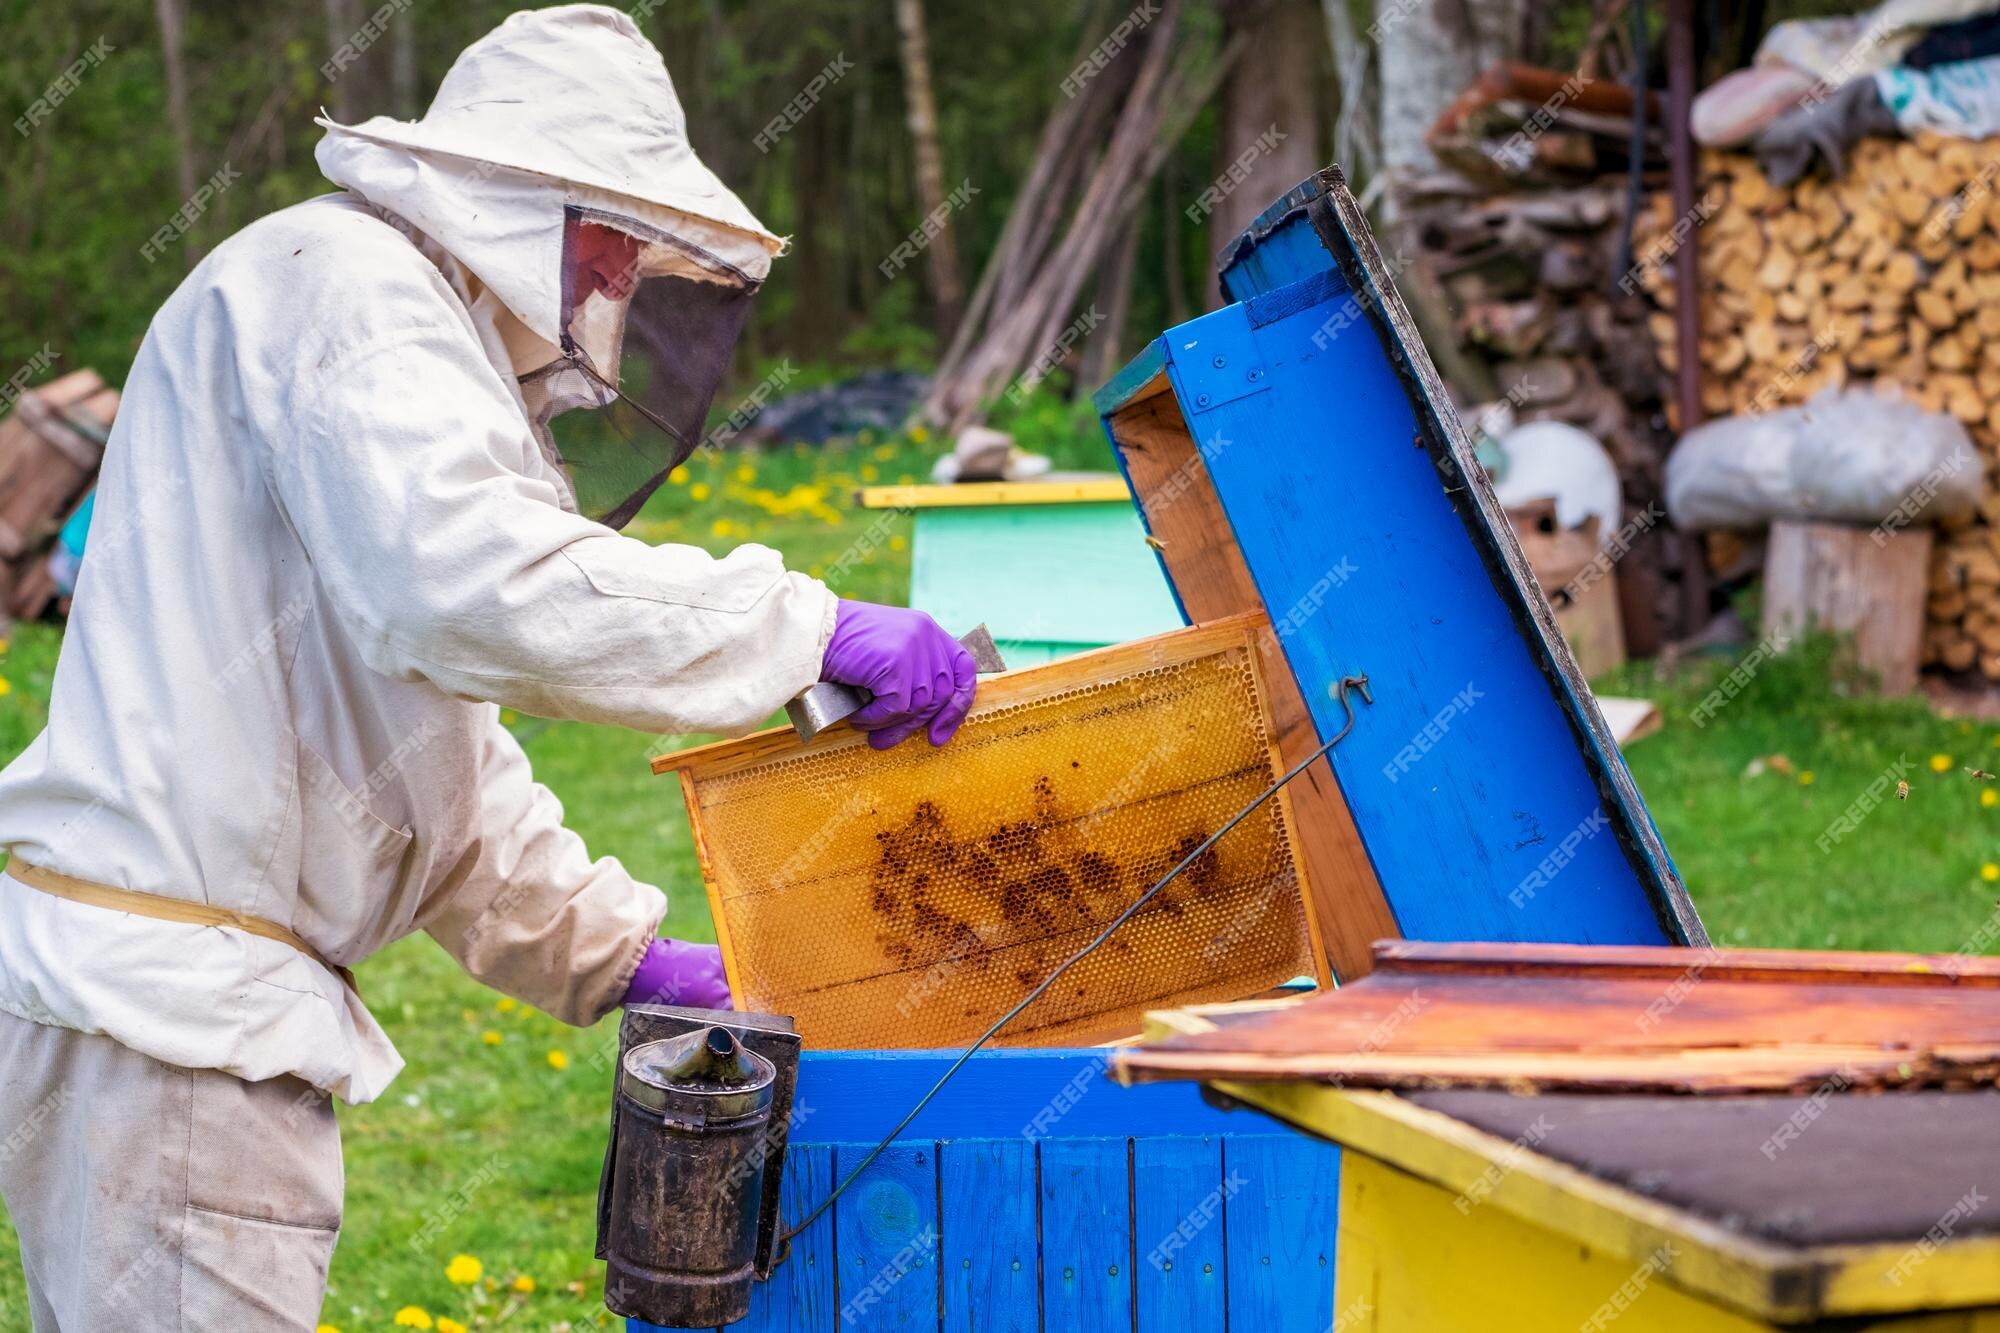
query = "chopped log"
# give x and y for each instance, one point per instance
(1839, 578)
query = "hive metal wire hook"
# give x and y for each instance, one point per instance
(1356, 684)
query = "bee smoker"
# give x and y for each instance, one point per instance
(688, 1202)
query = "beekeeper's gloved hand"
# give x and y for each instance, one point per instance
(921, 677)
(677, 972)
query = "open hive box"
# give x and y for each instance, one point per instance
(908, 898)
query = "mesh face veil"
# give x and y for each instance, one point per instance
(650, 323)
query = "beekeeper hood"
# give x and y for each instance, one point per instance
(558, 119)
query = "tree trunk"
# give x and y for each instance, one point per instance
(403, 66)
(1174, 270)
(1269, 140)
(343, 19)
(942, 253)
(1357, 148)
(1104, 349)
(1429, 53)
(172, 16)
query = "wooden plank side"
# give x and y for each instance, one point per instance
(1694, 1030)
(1421, 1263)
(799, 1298)
(1850, 967)
(1086, 1235)
(858, 1096)
(1074, 489)
(1342, 228)
(887, 1233)
(1169, 475)
(1278, 1202)
(1180, 1265)
(1464, 770)
(991, 1245)
(1783, 1283)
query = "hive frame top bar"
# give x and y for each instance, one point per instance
(1000, 691)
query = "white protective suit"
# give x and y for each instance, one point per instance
(329, 545)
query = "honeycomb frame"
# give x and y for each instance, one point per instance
(907, 898)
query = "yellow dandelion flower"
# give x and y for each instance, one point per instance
(745, 473)
(679, 476)
(505, 1004)
(722, 527)
(413, 1316)
(1988, 798)
(449, 1325)
(325, 1328)
(463, 1270)
(1805, 777)
(558, 1060)
(6, 687)
(698, 491)
(5, 644)
(1989, 872)
(524, 1283)
(869, 472)
(918, 435)
(490, 1037)
(468, 1014)
(1940, 763)
(899, 542)
(885, 452)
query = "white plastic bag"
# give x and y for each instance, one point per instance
(1849, 455)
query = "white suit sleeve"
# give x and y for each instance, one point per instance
(528, 912)
(418, 492)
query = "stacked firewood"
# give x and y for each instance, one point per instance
(1530, 277)
(50, 446)
(1890, 275)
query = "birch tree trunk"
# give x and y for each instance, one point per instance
(1429, 52)
(942, 253)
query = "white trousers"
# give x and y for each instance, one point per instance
(156, 1199)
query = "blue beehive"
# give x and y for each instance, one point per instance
(1305, 428)
(1293, 452)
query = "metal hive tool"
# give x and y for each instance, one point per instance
(908, 898)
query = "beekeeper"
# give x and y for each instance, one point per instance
(335, 534)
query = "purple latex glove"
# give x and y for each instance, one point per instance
(676, 972)
(921, 677)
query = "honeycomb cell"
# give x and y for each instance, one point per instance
(908, 898)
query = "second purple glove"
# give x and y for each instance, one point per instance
(677, 972)
(921, 677)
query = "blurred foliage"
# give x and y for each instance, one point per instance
(86, 187)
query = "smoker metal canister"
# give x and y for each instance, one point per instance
(692, 1115)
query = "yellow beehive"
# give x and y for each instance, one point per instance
(908, 898)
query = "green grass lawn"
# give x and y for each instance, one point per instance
(484, 1108)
